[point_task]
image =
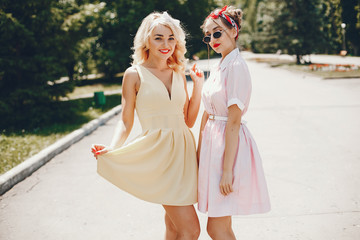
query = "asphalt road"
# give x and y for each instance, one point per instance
(307, 131)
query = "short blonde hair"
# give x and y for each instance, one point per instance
(141, 52)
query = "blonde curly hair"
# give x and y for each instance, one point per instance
(141, 51)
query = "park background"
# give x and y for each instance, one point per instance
(55, 54)
(304, 115)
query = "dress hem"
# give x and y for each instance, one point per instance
(156, 202)
(263, 211)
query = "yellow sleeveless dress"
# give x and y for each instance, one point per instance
(160, 165)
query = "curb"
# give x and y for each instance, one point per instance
(343, 77)
(30, 165)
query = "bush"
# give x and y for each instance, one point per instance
(35, 116)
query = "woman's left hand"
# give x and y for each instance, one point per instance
(197, 75)
(226, 183)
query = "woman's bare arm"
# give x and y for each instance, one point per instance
(204, 119)
(129, 89)
(131, 84)
(192, 105)
(231, 145)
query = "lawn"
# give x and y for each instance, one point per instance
(324, 71)
(324, 74)
(89, 89)
(18, 145)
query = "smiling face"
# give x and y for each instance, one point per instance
(162, 42)
(224, 44)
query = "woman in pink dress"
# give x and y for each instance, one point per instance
(231, 177)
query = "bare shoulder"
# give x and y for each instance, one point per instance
(131, 76)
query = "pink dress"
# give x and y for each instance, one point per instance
(229, 84)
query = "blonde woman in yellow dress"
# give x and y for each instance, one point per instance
(160, 165)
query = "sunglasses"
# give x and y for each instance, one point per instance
(216, 34)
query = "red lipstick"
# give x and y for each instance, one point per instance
(216, 45)
(164, 51)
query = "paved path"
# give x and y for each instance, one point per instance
(307, 131)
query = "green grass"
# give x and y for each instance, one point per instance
(323, 74)
(82, 90)
(18, 145)
(290, 65)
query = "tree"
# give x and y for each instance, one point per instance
(78, 23)
(35, 50)
(192, 14)
(331, 12)
(351, 16)
(115, 31)
(264, 35)
(121, 19)
(28, 59)
(300, 27)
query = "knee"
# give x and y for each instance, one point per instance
(196, 232)
(216, 232)
(211, 230)
(171, 228)
(190, 233)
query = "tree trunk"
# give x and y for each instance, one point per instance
(298, 59)
(355, 48)
(70, 71)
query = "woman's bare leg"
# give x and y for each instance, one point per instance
(219, 228)
(185, 221)
(170, 231)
